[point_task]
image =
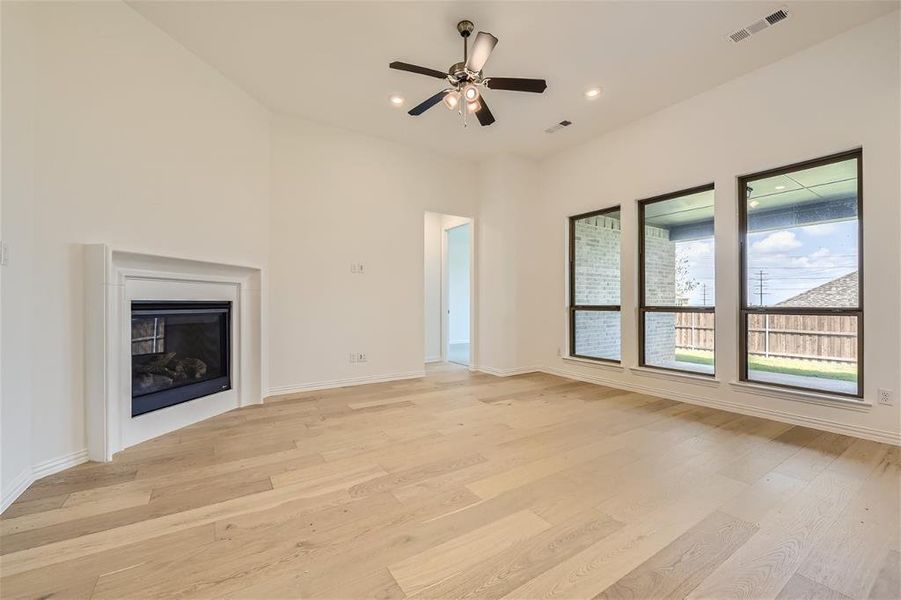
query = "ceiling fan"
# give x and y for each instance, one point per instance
(465, 78)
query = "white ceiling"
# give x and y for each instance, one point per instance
(328, 61)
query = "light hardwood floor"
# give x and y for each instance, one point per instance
(467, 485)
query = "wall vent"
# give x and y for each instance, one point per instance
(759, 25)
(558, 126)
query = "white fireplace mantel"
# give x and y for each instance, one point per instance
(113, 278)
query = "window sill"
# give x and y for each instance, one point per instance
(821, 398)
(608, 366)
(676, 376)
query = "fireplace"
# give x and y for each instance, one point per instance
(179, 352)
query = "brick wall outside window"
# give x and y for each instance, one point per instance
(597, 281)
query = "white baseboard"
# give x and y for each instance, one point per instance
(60, 463)
(336, 383)
(18, 485)
(39, 471)
(868, 433)
(505, 372)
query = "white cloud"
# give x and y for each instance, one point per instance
(691, 250)
(778, 241)
(820, 230)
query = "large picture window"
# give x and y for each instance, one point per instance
(801, 275)
(677, 282)
(594, 285)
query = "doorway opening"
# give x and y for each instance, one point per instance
(448, 288)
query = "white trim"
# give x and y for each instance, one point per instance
(433, 359)
(506, 372)
(869, 433)
(675, 376)
(18, 485)
(48, 467)
(821, 398)
(281, 390)
(60, 463)
(609, 366)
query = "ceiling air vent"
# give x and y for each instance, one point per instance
(777, 16)
(558, 126)
(740, 35)
(759, 25)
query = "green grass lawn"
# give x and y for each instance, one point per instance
(789, 366)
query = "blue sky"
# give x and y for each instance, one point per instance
(793, 260)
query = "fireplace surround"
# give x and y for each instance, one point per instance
(169, 388)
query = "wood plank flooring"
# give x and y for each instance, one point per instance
(463, 485)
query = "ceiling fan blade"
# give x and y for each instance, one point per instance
(481, 50)
(517, 84)
(424, 106)
(484, 114)
(402, 66)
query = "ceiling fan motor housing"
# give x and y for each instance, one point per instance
(465, 28)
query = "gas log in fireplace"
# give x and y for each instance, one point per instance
(179, 351)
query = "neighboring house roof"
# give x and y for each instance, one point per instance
(841, 292)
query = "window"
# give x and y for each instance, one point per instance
(676, 279)
(801, 278)
(594, 304)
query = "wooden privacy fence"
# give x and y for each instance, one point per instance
(812, 337)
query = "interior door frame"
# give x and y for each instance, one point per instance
(445, 288)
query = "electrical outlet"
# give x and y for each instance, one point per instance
(885, 397)
(361, 357)
(356, 268)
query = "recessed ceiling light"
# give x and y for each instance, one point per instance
(592, 93)
(780, 187)
(754, 203)
(396, 100)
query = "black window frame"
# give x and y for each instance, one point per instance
(745, 310)
(643, 308)
(573, 307)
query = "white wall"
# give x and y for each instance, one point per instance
(340, 198)
(505, 255)
(841, 94)
(17, 231)
(121, 136)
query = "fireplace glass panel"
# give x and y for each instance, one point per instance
(179, 352)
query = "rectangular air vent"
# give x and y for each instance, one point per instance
(740, 35)
(759, 25)
(777, 16)
(558, 126)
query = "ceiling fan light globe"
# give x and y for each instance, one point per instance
(451, 100)
(471, 93)
(473, 106)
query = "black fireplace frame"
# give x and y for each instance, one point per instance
(142, 404)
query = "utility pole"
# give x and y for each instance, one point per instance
(766, 317)
(704, 294)
(760, 288)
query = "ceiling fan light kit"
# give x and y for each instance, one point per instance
(465, 78)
